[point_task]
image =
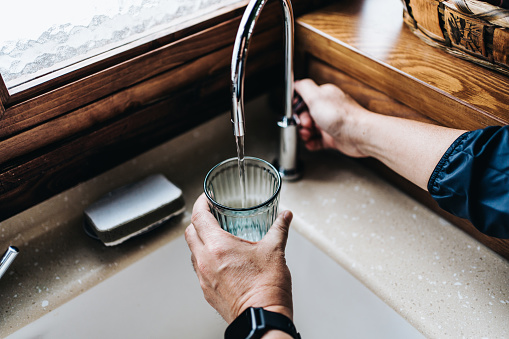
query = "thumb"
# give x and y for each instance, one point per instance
(278, 233)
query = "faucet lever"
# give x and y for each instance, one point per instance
(288, 163)
(7, 259)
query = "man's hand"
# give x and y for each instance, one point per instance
(329, 118)
(235, 273)
(332, 119)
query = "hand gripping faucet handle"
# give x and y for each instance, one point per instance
(7, 259)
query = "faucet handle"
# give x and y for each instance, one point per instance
(298, 104)
(7, 259)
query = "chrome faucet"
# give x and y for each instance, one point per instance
(287, 162)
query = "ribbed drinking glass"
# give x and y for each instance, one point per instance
(262, 187)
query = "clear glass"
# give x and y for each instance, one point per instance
(223, 190)
(38, 37)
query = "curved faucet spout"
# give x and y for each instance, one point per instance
(288, 148)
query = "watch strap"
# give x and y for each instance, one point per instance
(254, 322)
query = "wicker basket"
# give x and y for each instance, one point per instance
(469, 29)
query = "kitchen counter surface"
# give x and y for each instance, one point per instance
(441, 280)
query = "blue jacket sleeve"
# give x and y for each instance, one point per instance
(471, 180)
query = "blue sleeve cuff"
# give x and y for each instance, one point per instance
(471, 180)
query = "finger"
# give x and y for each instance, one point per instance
(314, 144)
(201, 204)
(193, 240)
(195, 245)
(306, 121)
(308, 131)
(306, 135)
(308, 90)
(278, 233)
(203, 221)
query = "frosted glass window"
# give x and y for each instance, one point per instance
(37, 37)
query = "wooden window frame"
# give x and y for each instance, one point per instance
(4, 96)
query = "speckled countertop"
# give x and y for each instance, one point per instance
(442, 281)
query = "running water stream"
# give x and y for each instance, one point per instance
(242, 170)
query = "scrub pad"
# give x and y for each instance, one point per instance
(133, 209)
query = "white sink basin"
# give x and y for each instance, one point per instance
(159, 297)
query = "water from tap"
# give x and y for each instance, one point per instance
(242, 169)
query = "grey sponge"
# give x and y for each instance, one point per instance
(133, 209)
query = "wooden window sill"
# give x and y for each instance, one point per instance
(364, 47)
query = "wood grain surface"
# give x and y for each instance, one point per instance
(368, 40)
(426, 14)
(501, 45)
(366, 96)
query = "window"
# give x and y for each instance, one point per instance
(54, 34)
(71, 65)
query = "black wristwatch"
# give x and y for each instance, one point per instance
(254, 322)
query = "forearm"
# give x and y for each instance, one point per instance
(410, 148)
